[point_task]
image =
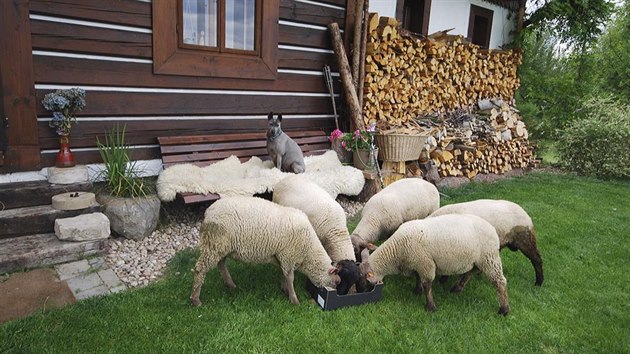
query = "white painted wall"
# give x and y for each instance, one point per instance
(455, 14)
(385, 8)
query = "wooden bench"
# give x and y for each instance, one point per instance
(203, 150)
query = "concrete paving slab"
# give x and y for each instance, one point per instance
(109, 278)
(71, 270)
(97, 291)
(84, 282)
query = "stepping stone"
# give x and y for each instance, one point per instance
(94, 226)
(68, 175)
(73, 269)
(74, 201)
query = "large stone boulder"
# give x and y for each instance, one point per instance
(133, 218)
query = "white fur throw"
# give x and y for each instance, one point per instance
(230, 177)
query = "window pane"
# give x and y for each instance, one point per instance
(200, 22)
(240, 23)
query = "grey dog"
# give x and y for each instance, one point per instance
(284, 151)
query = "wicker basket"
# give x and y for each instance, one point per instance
(399, 147)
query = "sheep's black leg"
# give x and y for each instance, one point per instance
(418, 288)
(462, 281)
(430, 306)
(225, 274)
(531, 251)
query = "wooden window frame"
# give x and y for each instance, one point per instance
(481, 12)
(426, 16)
(169, 58)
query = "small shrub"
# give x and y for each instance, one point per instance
(597, 144)
(121, 174)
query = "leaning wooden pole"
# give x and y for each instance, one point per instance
(364, 33)
(354, 109)
(356, 47)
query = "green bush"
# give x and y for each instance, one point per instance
(598, 144)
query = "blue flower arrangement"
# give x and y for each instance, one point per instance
(64, 104)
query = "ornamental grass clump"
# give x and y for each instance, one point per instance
(597, 145)
(64, 104)
(121, 174)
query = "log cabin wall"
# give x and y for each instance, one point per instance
(105, 47)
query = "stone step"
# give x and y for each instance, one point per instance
(35, 219)
(25, 194)
(43, 250)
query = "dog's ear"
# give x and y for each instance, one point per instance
(270, 116)
(279, 117)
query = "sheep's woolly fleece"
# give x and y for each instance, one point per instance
(230, 177)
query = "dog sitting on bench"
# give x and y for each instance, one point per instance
(284, 152)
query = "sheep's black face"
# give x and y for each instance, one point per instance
(349, 274)
(364, 285)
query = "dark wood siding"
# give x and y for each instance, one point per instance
(105, 46)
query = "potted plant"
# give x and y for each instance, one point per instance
(129, 201)
(360, 144)
(64, 104)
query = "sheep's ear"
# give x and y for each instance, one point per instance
(370, 275)
(333, 271)
(371, 246)
(365, 254)
(270, 116)
(279, 117)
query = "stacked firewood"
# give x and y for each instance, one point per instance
(408, 75)
(462, 143)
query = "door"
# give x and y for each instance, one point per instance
(19, 139)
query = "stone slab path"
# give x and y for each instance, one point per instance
(89, 277)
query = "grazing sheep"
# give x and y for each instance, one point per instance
(404, 200)
(325, 214)
(442, 245)
(513, 225)
(255, 230)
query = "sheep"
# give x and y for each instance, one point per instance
(513, 225)
(325, 214)
(404, 200)
(254, 230)
(441, 245)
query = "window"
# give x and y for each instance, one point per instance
(415, 15)
(480, 26)
(216, 38)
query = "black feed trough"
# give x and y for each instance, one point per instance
(328, 299)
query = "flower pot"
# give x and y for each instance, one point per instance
(345, 156)
(365, 159)
(64, 156)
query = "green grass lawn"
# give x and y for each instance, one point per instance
(583, 228)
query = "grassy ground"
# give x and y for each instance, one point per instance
(583, 306)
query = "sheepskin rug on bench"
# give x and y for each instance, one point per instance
(230, 177)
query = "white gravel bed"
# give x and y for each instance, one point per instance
(138, 263)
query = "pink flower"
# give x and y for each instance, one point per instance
(334, 135)
(343, 144)
(356, 133)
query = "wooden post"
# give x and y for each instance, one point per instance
(364, 33)
(346, 77)
(356, 47)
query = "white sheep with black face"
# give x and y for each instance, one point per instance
(404, 200)
(254, 230)
(441, 245)
(325, 214)
(514, 226)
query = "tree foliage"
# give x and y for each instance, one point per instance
(612, 55)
